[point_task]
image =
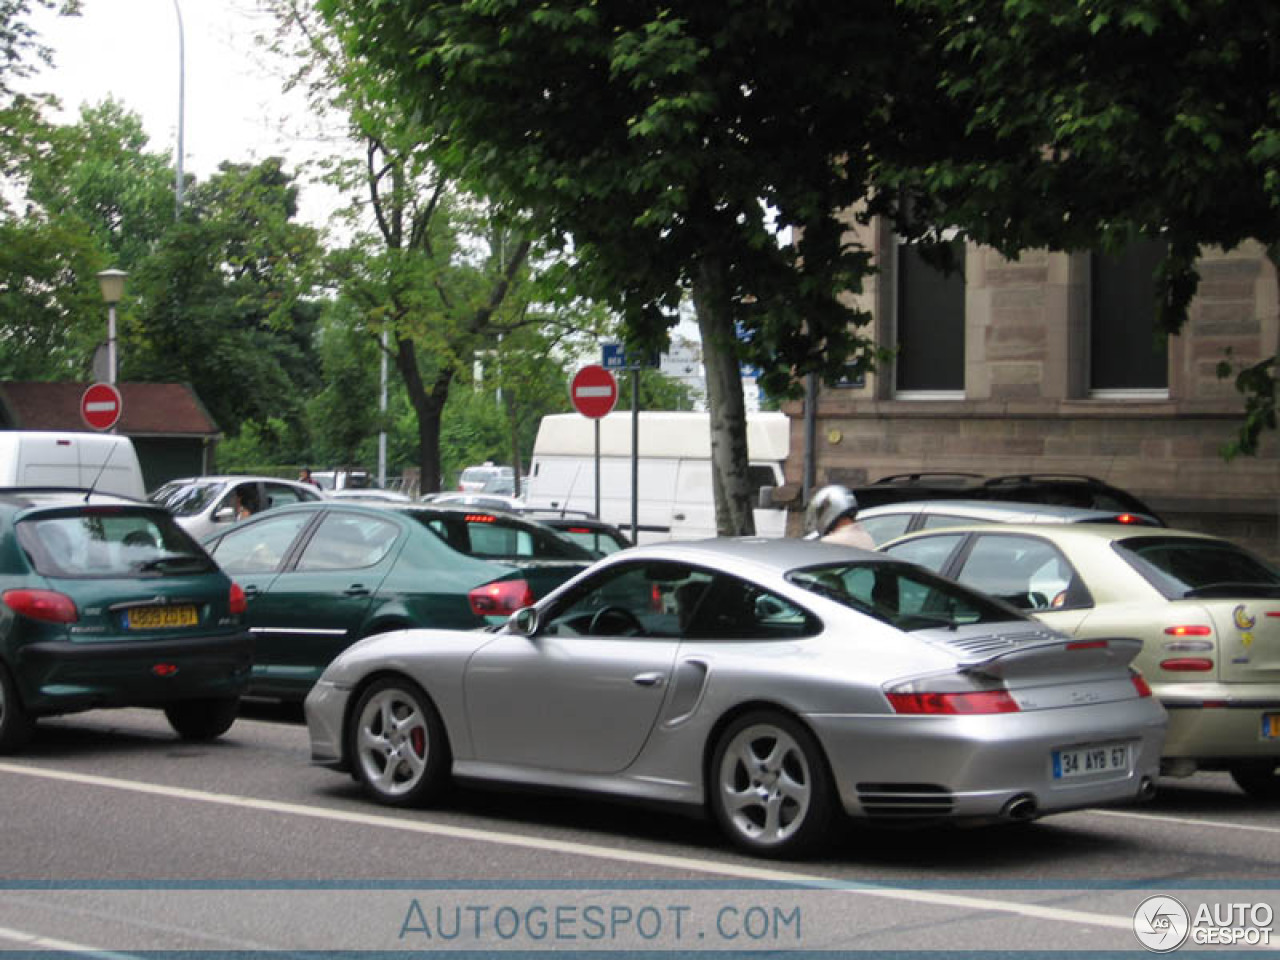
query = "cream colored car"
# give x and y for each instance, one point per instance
(1207, 611)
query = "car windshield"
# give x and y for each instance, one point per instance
(903, 595)
(1190, 567)
(187, 498)
(110, 542)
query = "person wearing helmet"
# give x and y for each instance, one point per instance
(831, 517)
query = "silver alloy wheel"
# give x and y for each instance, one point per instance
(766, 784)
(393, 742)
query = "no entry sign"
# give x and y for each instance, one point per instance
(593, 391)
(101, 406)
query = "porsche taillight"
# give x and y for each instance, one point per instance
(952, 703)
(1139, 683)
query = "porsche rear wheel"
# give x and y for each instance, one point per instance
(397, 742)
(771, 791)
(1260, 779)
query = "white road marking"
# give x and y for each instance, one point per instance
(1186, 821)
(689, 864)
(33, 941)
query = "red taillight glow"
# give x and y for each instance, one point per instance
(47, 605)
(480, 518)
(1187, 664)
(1087, 645)
(500, 598)
(1127, 518)
(1140, 683)
(237, 601)
(1189, 631)
(978, 701)
(165, 669)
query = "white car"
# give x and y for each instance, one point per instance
(206, 505)
(890, 520)
(473, 479)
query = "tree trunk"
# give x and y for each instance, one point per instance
(428, 405)
(729, 460)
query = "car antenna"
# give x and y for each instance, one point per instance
(101, 470)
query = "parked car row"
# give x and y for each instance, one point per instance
(966, 671)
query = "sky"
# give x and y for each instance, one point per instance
(234, 108)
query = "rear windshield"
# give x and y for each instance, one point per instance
(482, 534)
(110, 542)
(1186, 567)
(188, 498)
(903, 595)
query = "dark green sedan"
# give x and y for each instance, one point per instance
(320, 576)
(107, 602)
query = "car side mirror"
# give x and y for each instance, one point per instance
(524, 621)
(224, 515)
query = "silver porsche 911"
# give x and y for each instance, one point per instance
(774, 683)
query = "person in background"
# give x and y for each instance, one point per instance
(246, 502)
(832, 517)
(305, 477)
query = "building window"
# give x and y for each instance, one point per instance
(930, 326)
(1126, 359)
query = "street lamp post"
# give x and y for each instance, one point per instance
(111, 282)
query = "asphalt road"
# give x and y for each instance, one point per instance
(118, 837)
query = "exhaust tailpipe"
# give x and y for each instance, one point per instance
(1021, 808)
(1146, 789)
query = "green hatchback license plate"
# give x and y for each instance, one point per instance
(1271, 726)
(158, 618)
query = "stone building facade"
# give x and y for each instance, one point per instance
(1047, 364)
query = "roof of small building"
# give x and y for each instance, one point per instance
(148, 409)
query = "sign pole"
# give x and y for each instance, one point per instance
(635, 455)
(597, 426)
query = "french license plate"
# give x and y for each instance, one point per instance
(158, 618)
(1087, 761)
(1271, 726)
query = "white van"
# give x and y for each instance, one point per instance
(102, 461)
(675, 490)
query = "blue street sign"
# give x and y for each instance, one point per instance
(615, 357)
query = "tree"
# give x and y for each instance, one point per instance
(1077, 126)
(221, 302)
(430, 265)
(668, 142)
(86, 195)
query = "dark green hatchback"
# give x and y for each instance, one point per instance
(106, 602)
(320, 576)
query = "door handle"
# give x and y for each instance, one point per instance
(648, 679)
(250, 592)
(679, 516)
(356, 590)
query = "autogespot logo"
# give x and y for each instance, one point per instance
(1161, 924)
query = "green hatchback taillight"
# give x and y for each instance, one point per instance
(47, 605)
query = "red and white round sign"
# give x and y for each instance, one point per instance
(594, 391)
(101, 406)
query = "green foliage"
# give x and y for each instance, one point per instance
(1084, 126)
(220, 301)
(344, 414)
(1257, 384)
(256, 446)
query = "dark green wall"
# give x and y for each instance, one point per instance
(169, 457)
